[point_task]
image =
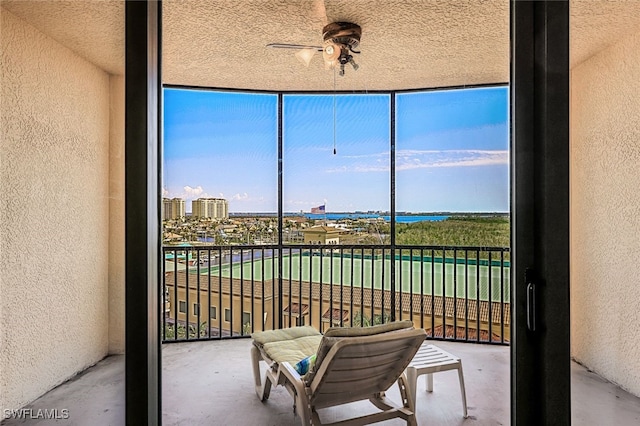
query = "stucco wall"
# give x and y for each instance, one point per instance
(605, 213)
(116, 217)
(54, 215)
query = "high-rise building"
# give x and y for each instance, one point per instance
(173, 208)
(214, 208)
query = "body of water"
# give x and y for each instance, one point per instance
(399, 219)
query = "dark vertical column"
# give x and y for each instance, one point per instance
(392, 213)
(540, 371)
(142, 212)
(280, 212)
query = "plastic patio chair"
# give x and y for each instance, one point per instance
(352, 364)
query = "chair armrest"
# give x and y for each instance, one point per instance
(290, 372)
(292, 377)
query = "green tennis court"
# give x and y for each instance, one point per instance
(422, 277)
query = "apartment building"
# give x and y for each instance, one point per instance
(212, 208)
(173, 208)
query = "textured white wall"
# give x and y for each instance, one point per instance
(54, 215)
(605, 213)
(116, 217)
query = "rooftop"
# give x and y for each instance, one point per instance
(322, 229)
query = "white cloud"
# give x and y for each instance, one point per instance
(423, 159)
(193, 192)
(240, 197)
(188, 193)
(454, 158)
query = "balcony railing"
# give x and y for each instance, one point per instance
(454, 293)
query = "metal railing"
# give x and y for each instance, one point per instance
(454, 293)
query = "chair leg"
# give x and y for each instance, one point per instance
(263, 392)
(412, 385)
(429, 380)
(412, 421)
(308, 416)
(405, 393)
(462, 391)
(408, 400)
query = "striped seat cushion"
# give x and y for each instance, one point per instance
(289, 344)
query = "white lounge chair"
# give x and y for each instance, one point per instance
(352, 364)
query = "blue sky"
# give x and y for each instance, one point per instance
(451, 150)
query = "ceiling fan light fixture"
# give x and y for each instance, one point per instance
(331, 52)
(305, 55)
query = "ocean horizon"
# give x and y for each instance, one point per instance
(402, 217)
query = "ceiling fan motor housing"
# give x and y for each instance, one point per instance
(345, 33)
(340, 38)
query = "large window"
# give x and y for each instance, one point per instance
(400, 196)
(341, 168)
(220, 159)
(452, 162)
(337, 158)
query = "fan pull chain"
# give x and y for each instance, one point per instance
(335, 151)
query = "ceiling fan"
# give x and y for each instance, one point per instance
(341, 39)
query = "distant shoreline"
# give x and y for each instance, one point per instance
(401, 217)
(373, 214)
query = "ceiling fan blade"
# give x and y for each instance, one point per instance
(293, 46)
(319, 12)
(305, 55)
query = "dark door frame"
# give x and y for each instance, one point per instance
(540, 349)
(142, 212)
(540, 359)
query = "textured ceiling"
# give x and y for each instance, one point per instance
(596, 24)
(92, 29)
(405, 44)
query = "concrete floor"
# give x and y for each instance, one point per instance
(210, 383)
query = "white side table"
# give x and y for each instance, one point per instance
(431, 359)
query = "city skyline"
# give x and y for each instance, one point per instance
(451, 150)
